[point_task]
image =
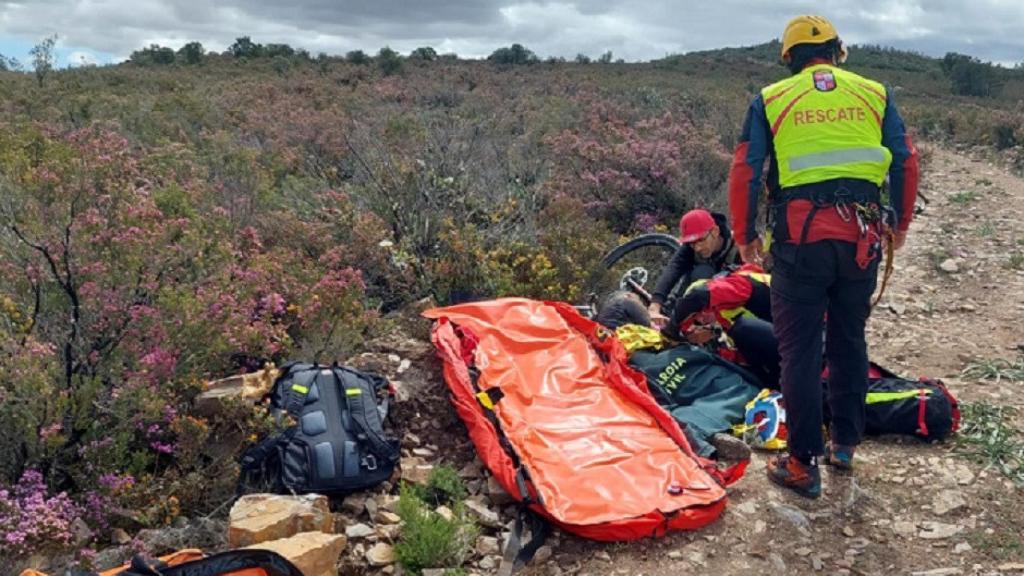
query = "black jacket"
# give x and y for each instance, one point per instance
(684, 260)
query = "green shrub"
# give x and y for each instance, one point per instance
(428, 539)
(444, 487)
(1003, 136)
(389, 61)
(964, 198)
(357, 57)
(514, 55)
(1016, 261)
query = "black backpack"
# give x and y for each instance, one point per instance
(924, 408)
(338, 444)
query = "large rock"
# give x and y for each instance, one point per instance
(257, 518)
(313, 553)
(245, 387)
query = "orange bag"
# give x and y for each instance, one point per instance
(192, 562)
(567, 427)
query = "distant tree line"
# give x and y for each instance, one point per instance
(517, 54)
(194, 53)
(388, 60)
(970, 76)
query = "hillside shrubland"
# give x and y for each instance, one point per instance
(183, 217)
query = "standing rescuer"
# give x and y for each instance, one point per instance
(832, 137)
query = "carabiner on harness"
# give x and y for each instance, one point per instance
(844, 212)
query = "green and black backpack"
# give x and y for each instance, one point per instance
(924, 408)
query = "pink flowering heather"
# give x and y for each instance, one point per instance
(30, 519)
(645, 222)
(96, 504)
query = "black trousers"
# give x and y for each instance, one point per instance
(755, 341)
(815, 283)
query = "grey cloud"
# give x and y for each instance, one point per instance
(636, 30)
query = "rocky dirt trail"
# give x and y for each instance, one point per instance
(956, 298)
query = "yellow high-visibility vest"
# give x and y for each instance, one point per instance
(827, 123)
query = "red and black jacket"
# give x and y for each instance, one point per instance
(720, 295)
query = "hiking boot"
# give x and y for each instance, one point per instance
(839, 457)
(788, 472)
(729, 447)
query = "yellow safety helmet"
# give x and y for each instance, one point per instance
(808, 29)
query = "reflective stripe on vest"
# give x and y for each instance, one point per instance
(849, 156)
(827, 124)
(732, 314)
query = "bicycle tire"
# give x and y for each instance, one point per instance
(658, 239)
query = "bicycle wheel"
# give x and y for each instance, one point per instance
(640, 259)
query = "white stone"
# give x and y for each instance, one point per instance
(483, 514)
(948, 501)
(416, 470)
(904, 528)
(938, 530)
(385, 517)
(487, 545)
(380, 555)
(358, 531)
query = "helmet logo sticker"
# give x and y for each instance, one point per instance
(824, 81)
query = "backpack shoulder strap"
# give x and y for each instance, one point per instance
(260, 465)
(294, 398)
(360, 396)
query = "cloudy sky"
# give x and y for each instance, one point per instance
(103, 31)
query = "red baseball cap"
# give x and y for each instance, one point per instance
(694, 225)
